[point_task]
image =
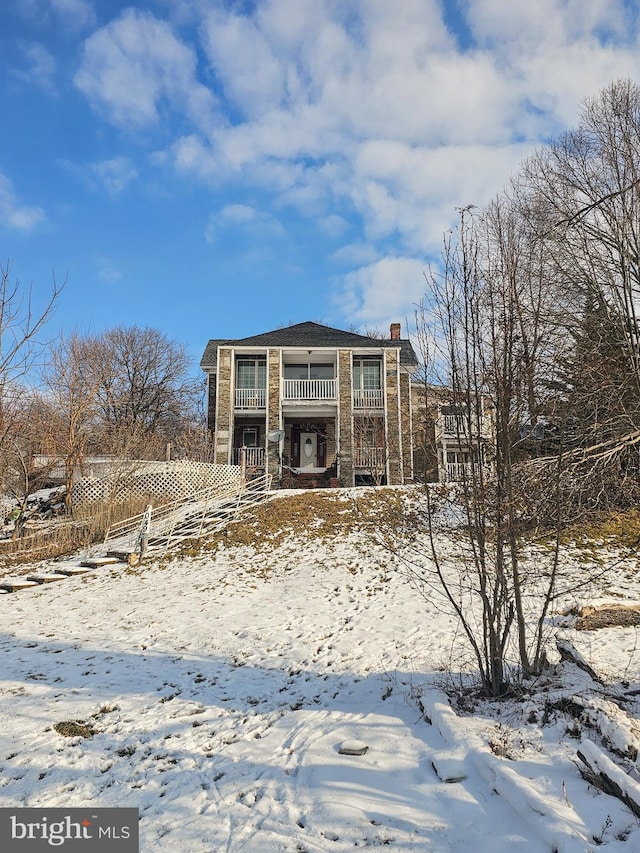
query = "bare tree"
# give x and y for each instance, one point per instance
(490, 329)
(22, 470)
(21, 347)
(590, 180)
(72, 383)
(21, 324)
(147, 395)
(125, 393)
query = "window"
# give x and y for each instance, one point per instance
(251, 373)
(367, 374)
(308, 371)
(250, 437)
(458, 457)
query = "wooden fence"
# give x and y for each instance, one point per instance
(156, 481)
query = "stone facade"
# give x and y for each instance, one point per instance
(344, 437)
(224, 412)
(406, 426)
(274, 421)
(394, 436)
(329, 411)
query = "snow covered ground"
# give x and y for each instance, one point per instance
(221, 688)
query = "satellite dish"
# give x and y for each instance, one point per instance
(275, 435)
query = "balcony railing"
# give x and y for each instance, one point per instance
(309, 389)
(367, 398)
(251, 398)
(454, 425)
(371, 458)
(461, 427)
(253, 456)
(458, 471)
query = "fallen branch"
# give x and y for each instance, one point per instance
(608, 777)
(571, 654)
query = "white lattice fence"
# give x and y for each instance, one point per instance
(157, 481)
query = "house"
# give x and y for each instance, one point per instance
(452, 433)
(308, 402)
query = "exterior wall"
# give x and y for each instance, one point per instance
(431, 442)
(332, 447)
(425, 456)
(224, 407)
(274, 418)
(344, 437)
(406, 426)
(340, 438)
(395, 474)
(211, 401)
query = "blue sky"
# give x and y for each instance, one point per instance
(218, 168)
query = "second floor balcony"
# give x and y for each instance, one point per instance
(368, 398)
(251, 398)
(310, 389)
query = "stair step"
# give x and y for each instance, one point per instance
(46, 577)
(13, 584)
(69, 571)
(98, 562)
(132, 558)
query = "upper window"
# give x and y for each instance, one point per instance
(308, 371)
(251, 373)
(367, 374)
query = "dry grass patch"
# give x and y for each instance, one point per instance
(74, 728)
(320, 515)
(616, 530)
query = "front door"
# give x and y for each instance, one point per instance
(308, 450)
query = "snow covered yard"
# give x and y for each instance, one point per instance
(216, 689)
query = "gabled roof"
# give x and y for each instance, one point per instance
(311, 336)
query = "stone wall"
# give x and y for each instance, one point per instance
(344, 438)
(224, 408)
(394, 433)
(406, 419)
(273, 411)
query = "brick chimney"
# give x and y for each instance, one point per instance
(394, 331)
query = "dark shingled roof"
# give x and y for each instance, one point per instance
(311, 336)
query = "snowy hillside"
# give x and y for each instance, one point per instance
(218, 691)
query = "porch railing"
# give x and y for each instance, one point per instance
(454, 425)
(251, 398)
(371, 458)
(368, 398)
(459, 426)
(458, 471)
(254, 456)
(309, 389)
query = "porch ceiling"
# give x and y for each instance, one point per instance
(301, 409)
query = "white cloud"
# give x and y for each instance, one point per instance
(355, 255)
(115, 174)
(253, 76)
(256, 225)
(362, 106)
(79, 13)
(41, 67)
(557, 52)
(333, 225)
(14, 214)
(107, 271)
(134, 65)
(388, 288)
(74, 15)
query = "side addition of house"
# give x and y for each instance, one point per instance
(313, 402)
